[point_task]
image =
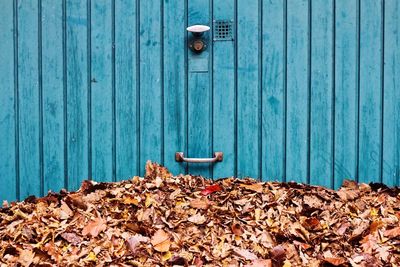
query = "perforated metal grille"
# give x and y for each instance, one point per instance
(223, 30)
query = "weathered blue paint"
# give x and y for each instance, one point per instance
(53, 95)
(101, 97)
(8, 109)
(307, 90)
(298, 91)
(248, 93)
(224, 91)
(199, 92)
(371, 91)
(321, 124)
(346, 91)
(274, 90)
(126, 89)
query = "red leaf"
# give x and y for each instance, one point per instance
(211, 189)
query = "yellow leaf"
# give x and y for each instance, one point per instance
(287, 264)
(149, 200)
(257, 214)
(374, 212)
(91, 257)
(166, 256)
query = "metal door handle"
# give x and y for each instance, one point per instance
(180, 157)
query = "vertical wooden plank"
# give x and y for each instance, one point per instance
(28, 63)
(77, 92)
(174, 83)
(199, 93)
(52, 76)
(127, 129)
(346, 91)
(101, 91)
(8, 176)
(150, 83)
(273, 90)
(321, 136)
(370, 91)
(297, 91)
(224, 94)
(391, 120)
(248, 89)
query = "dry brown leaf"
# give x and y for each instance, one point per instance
(260, 263)
(258, 187)
(197, 219)
(244, 253)
(335, 261)
(135, 240)
(200, 203)
(72, 238)
(161, 241)
(26, 257)
(94, 227)
(395, 232)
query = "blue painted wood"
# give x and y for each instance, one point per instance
(8, 178)
(346, 91)
(174, 63)
(370, 128)
(306, 86)
(273, 90)
(297, 110)
(199, 93)
(28, 98)
(248, 112)
(77, 92)
(53, 95)
(224, 100)
(321, 136)
(151, 91)
(391, 104)
(101, 91)
(126, 89)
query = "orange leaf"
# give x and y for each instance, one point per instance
(335, 261)
(161, 241)
(258, 187)
(95, 227)
(395, 232)
(200, 203)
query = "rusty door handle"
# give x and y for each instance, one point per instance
(180, 157)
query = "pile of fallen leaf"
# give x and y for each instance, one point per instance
(165, 220)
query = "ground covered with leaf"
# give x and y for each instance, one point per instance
(166, 220)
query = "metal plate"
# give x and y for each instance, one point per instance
(223, 30)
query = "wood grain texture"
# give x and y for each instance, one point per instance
(248, 123)
(308, 91)
(28, 98)
(77, 92)
(346, 91)
(53, 95)
(126, 89)
(199, 93)
(151, 120)
(8, 175)
(297, 141)
(370, 127)
(174, 63)
(321, 136)
(391, 104)
(273, 90)
(101, 91)
(224, 99)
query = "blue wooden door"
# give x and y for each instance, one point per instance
(303, 90)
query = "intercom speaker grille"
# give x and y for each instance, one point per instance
(223, 30)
